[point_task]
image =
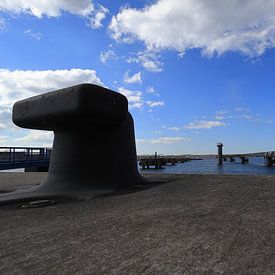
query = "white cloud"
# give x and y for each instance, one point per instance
(35, 136)
(54, 8)
(181, 54)
(135, 78)
(35, 35)
(242, 113)
(149, 60)
(248, 117)
(210, 25)
(164, 140)
(3, 140)
(16, 85)
(241, 109)
(174, 128)
(221, 112)
(50, 8)
(157, 132)
(2, 24)
(155, 103)
(5, 118)
(151, 90)
(98, 16)
(205, 124)
(134, 97)
(105, 56)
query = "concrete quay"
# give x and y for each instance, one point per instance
(192, 224)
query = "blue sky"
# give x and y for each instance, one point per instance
(195, 72)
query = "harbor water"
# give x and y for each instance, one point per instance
(256, 166)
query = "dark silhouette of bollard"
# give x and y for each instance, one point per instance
(94, 148)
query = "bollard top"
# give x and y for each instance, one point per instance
(71, 107)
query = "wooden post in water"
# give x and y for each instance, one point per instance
(156, 165)
(220, 158)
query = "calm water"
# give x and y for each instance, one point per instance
(255, 167)
(209, 166)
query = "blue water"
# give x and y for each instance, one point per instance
(256, 166)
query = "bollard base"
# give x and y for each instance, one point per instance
(41, 192)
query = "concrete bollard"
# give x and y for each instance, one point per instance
(94, 148)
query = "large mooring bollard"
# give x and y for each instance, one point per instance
(94, 148)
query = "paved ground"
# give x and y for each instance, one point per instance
(192, 224)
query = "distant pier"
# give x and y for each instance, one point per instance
(158, 162)
(32, 159)
(269, 157)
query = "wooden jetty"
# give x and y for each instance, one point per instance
(269, 157)
(157, 162)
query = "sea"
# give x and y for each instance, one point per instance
(256, 166)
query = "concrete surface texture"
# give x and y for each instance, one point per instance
(190, 224)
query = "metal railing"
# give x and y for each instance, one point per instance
(22, 157)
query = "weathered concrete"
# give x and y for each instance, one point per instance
(191, 224)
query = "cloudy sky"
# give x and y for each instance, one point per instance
(195, 72)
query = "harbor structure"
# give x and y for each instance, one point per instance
(159, 161)
(93, 123)
(220, 157)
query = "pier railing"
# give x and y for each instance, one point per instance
(23, 157)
